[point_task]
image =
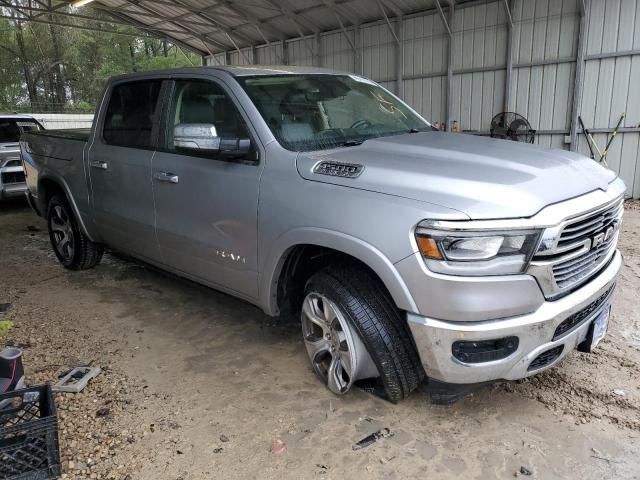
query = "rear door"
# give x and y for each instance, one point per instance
(206, 206)
(120, 167)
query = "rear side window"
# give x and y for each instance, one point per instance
(130, 114)
(11, 129)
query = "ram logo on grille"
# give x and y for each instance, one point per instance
(338, 169)
(602, 237)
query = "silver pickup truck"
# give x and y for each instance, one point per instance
(12, 183)
(408, 253)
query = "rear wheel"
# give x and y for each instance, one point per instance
(71, 246)
(353, 331)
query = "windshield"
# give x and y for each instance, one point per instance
(316, 112)
(11, 129)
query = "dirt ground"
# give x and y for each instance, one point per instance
(198, 385)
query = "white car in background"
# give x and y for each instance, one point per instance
(12, 178)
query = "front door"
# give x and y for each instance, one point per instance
(119, 166)
(206, 206)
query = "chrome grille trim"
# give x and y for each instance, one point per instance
(571, 252)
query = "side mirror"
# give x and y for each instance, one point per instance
(235, 147)
(203, 137)
(196, 136)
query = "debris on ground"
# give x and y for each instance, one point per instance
(373, 438)
(278, 447)
(76, 379)
(224, 438)
(4, 307)
(102, 412)
(525, 471)
(619, 392)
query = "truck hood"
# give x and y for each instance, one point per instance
(482, 177)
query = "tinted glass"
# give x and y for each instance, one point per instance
(315, 112)
(131, 112)
(10, 130)
(202, 102)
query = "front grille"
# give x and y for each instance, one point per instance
(13, 177)
(578, 317)
(572, 271)
(545, 358)
(580, 248)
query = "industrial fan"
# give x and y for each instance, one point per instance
(512, 126)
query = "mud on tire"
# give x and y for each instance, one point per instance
(71, 246)
(379, 323)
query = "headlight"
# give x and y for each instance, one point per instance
(477, 252)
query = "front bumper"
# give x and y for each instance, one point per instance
(12, 189)
(434, 338)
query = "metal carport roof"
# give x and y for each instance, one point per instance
(212, 26)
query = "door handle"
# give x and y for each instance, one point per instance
(98, 164)
(166, 177)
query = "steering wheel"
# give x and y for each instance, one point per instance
(360, 124)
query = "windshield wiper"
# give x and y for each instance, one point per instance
(352, 143)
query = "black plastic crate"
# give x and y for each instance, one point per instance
(29, 448)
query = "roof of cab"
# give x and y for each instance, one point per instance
(238, 71)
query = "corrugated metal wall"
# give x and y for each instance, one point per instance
(544, 46)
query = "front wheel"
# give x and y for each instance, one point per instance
(353, 331)
(71, 246)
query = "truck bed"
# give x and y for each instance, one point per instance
(78, 134)
(58, 155)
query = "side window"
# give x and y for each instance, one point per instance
(130, 114)
(9, 131)
(204, 103)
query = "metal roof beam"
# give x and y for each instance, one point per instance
(41, 11)
(443, 18)
(251, 19)
(338, 8)
(330, 4)
(390, 4)
(295, 17)
(81, 27)
(386, 18)
(507, 9)
(223, 27)
(202, 37)
(178, 43)
(150, 14)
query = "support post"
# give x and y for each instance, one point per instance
(449, 24)
(399, 58)
(578, 85)
(317, 47)
(357, 53)
(508, 5)
(285, 52)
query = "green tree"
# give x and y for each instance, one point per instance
(45, 67)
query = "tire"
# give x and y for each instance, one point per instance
(72, 247)
(368, 311)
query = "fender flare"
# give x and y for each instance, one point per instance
(58, 180)
(353, 246)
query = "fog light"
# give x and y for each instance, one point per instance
(484, 350)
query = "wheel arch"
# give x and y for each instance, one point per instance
(50, 185)
(300, 243)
